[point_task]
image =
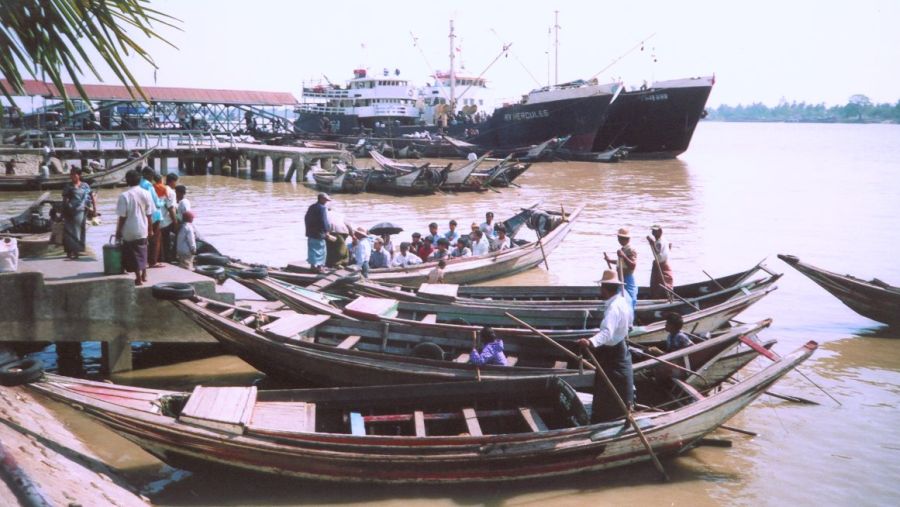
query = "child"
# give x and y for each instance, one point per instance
(437, 274)
(492, 352)
(186, 242)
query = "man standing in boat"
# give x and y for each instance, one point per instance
(661, 275)
(626, 260)
(612, 350)
(317, 226)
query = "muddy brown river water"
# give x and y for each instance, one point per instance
(829, 194)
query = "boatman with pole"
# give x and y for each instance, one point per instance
(612, 351)
(316, 221)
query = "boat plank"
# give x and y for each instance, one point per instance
(357, 424)
(279, 416)
(472, 421)
(419, 419)
(223, 408)
(348, 342)
(532, 419)
(290, 326)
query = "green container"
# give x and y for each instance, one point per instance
(112, 258)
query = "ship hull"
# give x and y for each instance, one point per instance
(657, 122)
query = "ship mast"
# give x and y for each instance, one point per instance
(452, 71)
(556, 48)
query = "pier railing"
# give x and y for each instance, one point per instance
(91, 140)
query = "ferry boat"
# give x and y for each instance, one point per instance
(365, 102)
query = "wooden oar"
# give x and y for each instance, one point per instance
(596, 366)
(659, 271)
(713, 279)
(672, 293)
(628, 416)
(474, 347)
(541, 244)
(669, 363)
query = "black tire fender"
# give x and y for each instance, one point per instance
(428, 350)
(173, 291)
(21, 372)
(210, 270)
(211, 259)
(254, 273)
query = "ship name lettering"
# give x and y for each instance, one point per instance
(526, 115)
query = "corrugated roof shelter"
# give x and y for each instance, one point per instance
(162, 94)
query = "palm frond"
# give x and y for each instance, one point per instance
(52, 37)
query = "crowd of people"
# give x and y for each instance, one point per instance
(155, 223)
(327, 248)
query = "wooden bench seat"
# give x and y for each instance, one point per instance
(348, 342)
(429, 319)
(220, 408)
(472, 422)
(370, 308)
(290, 325)
(532, 419)
(280, 416)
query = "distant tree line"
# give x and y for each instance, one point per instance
(859, 109)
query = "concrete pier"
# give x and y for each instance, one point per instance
(48, 462)
(72, 301)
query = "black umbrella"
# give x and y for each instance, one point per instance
(385, 228)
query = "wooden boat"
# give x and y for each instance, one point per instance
(101, 179)
(438, 433)
(424, 180)
(343, 180)
(874, 299)
(333, 351)
(523, 256)
(579, 316)
(547, 296)
(460, 179)
(32, 227)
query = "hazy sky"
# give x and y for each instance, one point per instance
(763, 50)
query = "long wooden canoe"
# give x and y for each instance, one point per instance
(873, 299)
(439, 433)
(542, 294)
(486, 267)
(331, 351)
(566, 324)
(100, 179)
(560, 317)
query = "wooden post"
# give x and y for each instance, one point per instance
(254, 167)
(163, 165)
(277, 168)
(217, 166)
(181, 166)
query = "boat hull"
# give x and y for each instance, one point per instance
(656, 123)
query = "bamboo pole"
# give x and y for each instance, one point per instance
(550, 340)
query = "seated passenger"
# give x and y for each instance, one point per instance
(405, 257)
(442, 252)
(379, 258)
(461, 250)
(480, 245)
(676, 340)
(452, 235)
(491, 352)
(420, 247)
(436, 275)
(502, 241)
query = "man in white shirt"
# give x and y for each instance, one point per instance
(184, 204)
(502, 241)
(405, 257)
(661, 274)
(135, 209)
(487, 227)
(480, 244)
(169, 224)
(361, 250)
(611, 348)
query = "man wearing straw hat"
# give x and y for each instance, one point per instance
(612, 350)
(626, 260)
